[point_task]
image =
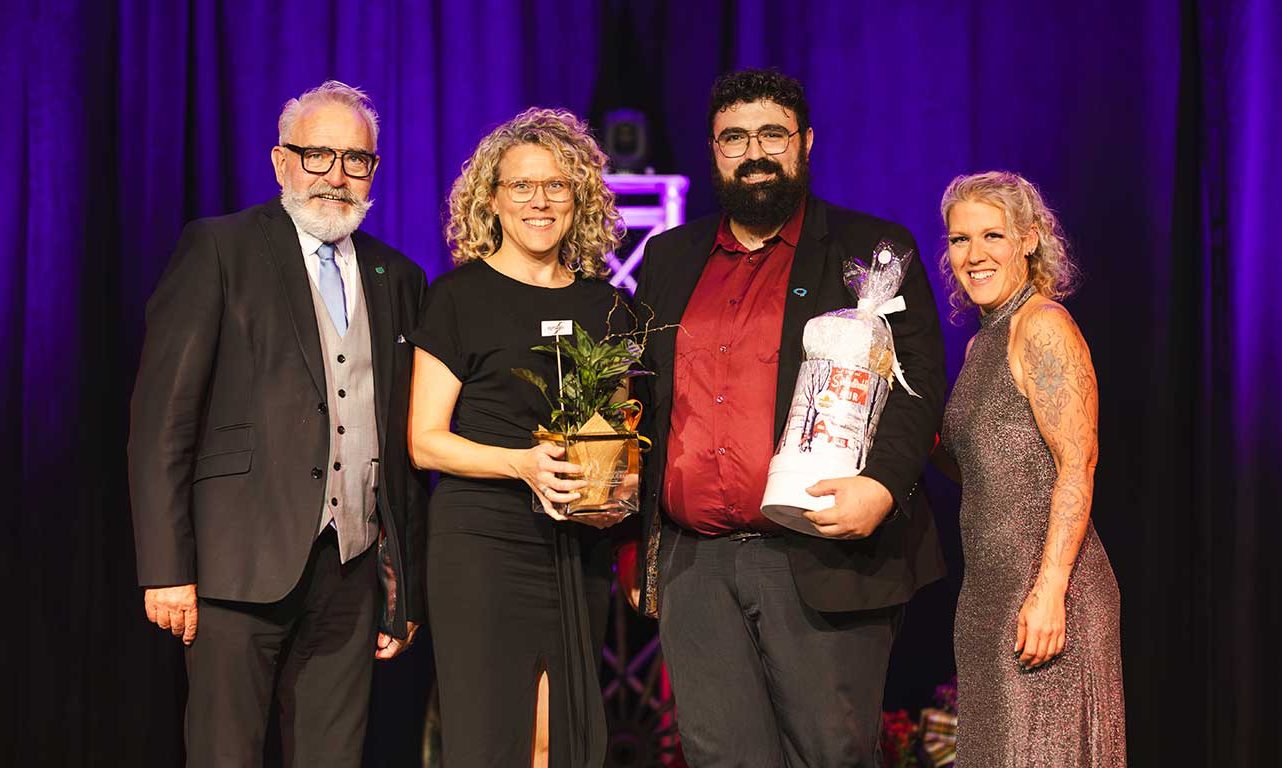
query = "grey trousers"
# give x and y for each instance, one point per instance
(761, 679)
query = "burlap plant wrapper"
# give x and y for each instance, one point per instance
(605, 463)
(842, 386)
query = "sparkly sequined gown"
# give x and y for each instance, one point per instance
(1070, 712)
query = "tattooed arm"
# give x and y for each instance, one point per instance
(1052, 365)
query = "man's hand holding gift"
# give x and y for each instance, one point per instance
(861, 504)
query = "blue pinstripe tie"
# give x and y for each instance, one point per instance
(331, 287)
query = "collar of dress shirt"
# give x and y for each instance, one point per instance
(790, 233)
(344, 250)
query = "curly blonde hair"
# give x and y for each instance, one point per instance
(1050, 268)
(472, 228)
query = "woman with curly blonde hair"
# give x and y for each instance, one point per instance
(518, 594)
(1037, 643)
(473, 230)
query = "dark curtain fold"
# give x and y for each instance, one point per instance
(1230, 166)
(1153, 127)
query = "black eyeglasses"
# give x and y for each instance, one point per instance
(773, 140)
(319, 160)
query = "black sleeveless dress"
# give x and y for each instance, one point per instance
(511, 592)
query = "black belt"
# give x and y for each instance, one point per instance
(746, 535)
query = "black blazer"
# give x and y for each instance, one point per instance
(229, 433)
(831, 575)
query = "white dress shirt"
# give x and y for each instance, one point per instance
(344, 254)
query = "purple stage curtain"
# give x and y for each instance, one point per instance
(1153, 127)
(1231, 484)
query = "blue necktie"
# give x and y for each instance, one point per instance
(331, 287)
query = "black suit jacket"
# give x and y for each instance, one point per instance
(229, 432)
(831, 575)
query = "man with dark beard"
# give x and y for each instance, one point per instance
(272, 495)
(777, 643)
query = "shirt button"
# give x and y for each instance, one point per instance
(734, 302)
(322, 408)
(721, 451)
(721, 398)
(723, 348)
(733, 507)
(333, 502)
(337, 466)
(752, 259)
(341, 430)
(316, 473)
(342, 393)
(342, 359)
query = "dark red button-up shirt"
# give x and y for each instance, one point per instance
(724, 382)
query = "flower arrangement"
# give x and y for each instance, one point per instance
(929, 743)
(938, 728)
(946, 696)
(898, 740)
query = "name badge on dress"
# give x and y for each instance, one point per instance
(557, 327)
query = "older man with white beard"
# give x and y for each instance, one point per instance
(277, 522)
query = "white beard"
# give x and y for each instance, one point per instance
(326, 227)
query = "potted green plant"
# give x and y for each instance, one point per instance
(590, 419)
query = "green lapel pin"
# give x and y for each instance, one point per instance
(379, 269)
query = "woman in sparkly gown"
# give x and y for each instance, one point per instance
(1036, 639)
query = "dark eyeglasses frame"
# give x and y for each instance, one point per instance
(716, 141)
(336, 157)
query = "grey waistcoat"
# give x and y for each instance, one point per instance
(352, 480)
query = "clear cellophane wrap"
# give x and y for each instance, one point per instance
(848, 369)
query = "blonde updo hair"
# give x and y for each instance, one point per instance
(1050, 269)
(472, 229)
